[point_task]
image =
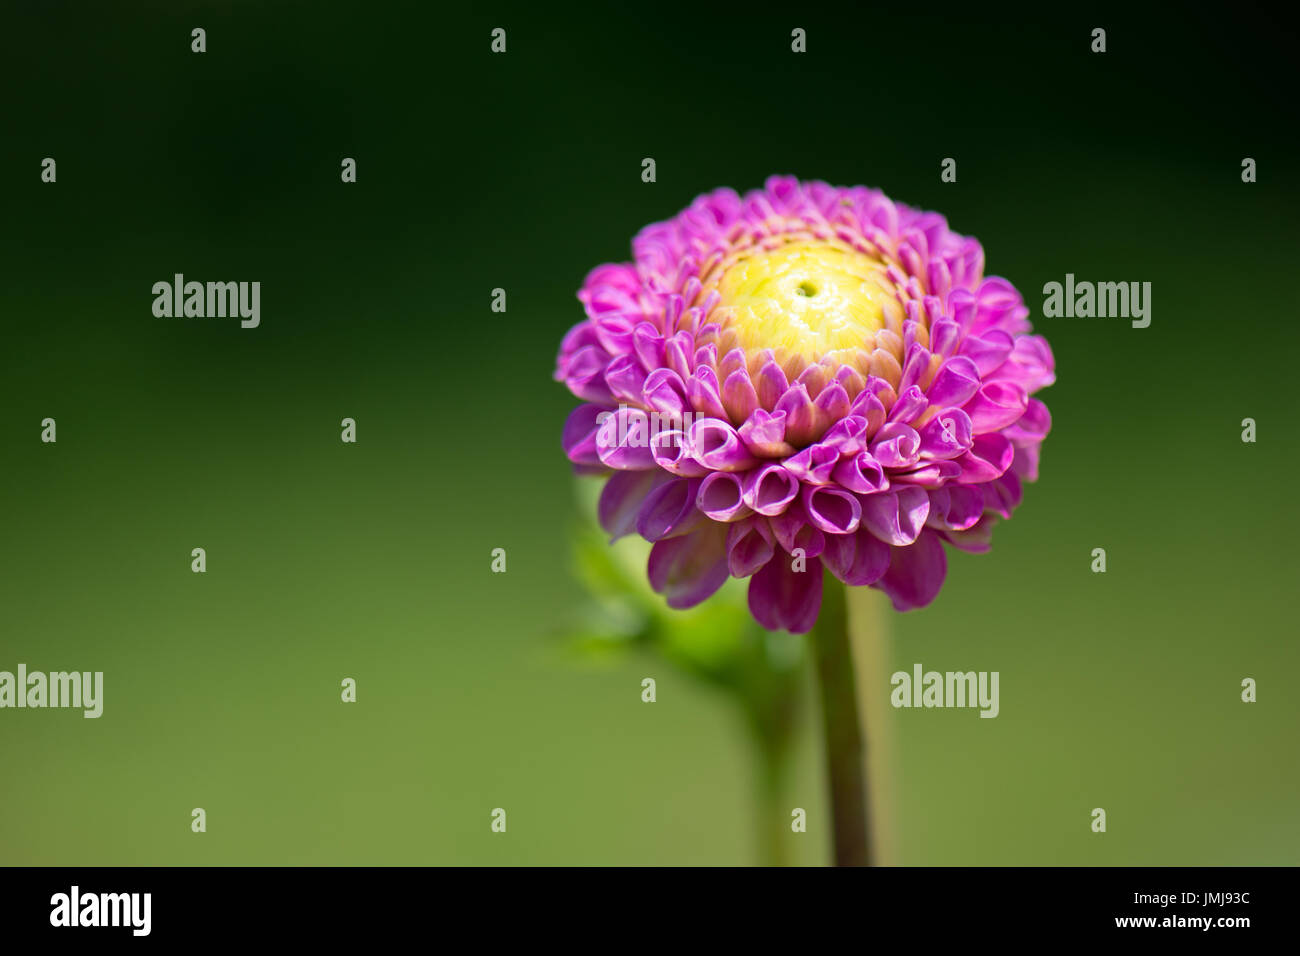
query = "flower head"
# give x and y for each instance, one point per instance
(804, 376)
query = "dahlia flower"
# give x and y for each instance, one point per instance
(804, 377)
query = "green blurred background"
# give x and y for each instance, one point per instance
(522, 171)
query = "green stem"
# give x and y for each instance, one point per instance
(845, 746)
(770, 704)
(772, 814)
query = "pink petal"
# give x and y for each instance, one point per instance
(690, 568)
(783, 599)
(916, 573)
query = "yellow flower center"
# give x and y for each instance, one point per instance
(807, 300)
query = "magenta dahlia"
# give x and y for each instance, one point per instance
(806, 376)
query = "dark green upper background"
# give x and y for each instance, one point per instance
(522, 171)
